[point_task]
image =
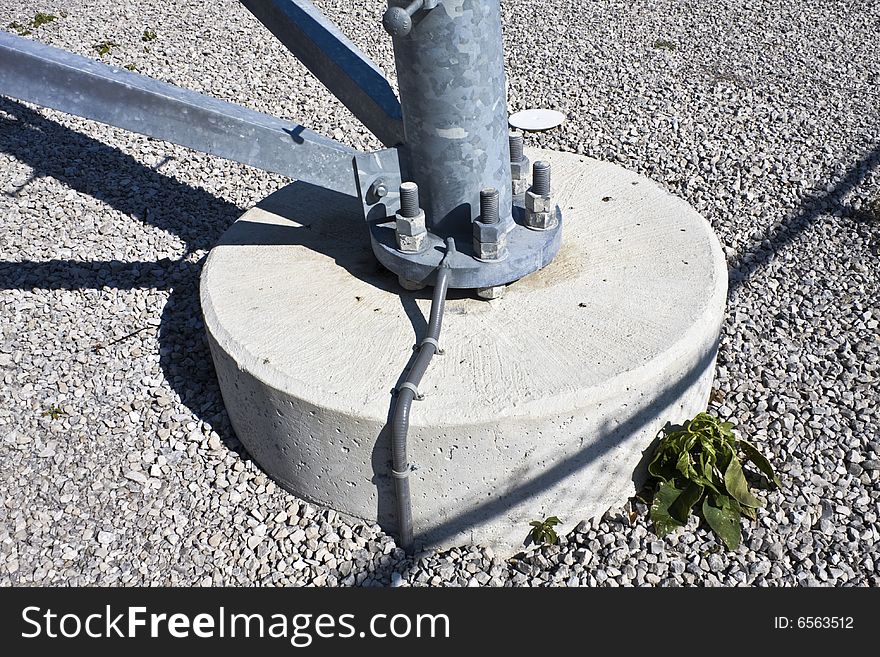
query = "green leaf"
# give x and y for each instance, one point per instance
(738, 487)
(707, 463)
(684, 465)
(41, 18)
(680, 509)
(698, 460)
(660, 466)
(542, 531)
(723, 516)
(759, 460)
(727, 453)
(664, 522)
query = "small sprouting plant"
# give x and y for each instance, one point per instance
(130, 67)
(542, 531)
(148, 35)
(21, 30)
(665, 44)
(41, 18)
(105, 47)
(698, 463)
(54, 412)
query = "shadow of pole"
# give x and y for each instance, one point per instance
(113, 177)
(130, 187)
(757, 256)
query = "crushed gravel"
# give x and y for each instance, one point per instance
(119, 466)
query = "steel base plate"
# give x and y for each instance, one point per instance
(528, 250)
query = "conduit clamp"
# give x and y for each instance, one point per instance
(407, 385)
(402, 475)
(429, 340)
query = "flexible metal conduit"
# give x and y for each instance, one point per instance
(406, 393)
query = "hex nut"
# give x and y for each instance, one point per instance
(491, 232)
(411, 286)
(489, 293)
(490, 240)
(410, 226)
(411, 243)
(491, 250)
(538, 203)
(543, 220)
(519, 175)
(541, 212)
(520, 170)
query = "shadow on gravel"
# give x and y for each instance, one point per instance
(814, 206)
(183, 350)
(115, 178)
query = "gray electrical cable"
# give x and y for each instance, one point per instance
(400, 468)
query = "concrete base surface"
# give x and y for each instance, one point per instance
(546, 401)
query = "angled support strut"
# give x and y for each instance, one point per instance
(349, 74)
(55, 78)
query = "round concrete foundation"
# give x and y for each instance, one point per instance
(545, 402)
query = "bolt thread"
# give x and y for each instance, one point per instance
(516, 147)
(541, 178)
(409, 199)
(489, 206)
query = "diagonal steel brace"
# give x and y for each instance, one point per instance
(55, 78)
(349, 74)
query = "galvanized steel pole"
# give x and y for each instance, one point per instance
(450, 72)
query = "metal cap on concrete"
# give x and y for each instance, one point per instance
(546, 400)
